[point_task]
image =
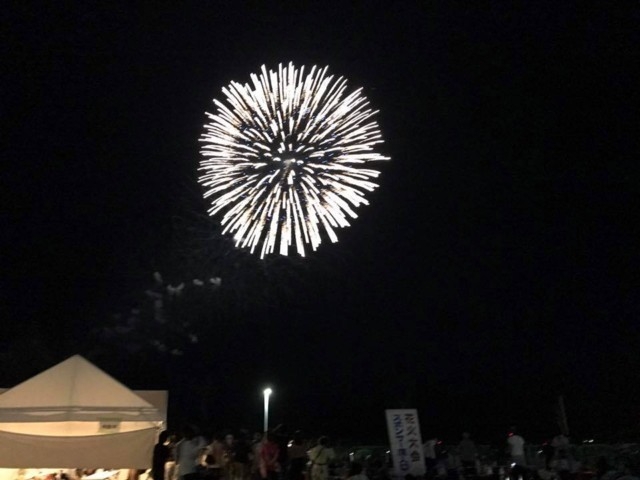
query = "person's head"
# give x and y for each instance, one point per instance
(466, 435)
(297, 437)
(228, 439)
(354, 469)
(163, 437)
(324, 441)
(257, 436)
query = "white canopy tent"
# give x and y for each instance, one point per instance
(74, 415)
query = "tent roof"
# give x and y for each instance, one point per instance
(75, 387)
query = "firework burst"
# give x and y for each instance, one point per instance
(285, 158)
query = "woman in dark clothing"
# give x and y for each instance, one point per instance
(297, 457)
(161, 455)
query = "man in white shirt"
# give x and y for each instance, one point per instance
(188, 451)
(515, 444)
(429, 448)
(429, 451)
(320, 456)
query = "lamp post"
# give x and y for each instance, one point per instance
(267, 393)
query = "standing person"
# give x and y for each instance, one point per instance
(170, 468)
(297, 457)
(560, 444)
(269, 452)
(320, 456)
(430, 457)
(515, 445)
(217, 450)
(549, 452)
(468, 454)
(256, 446)
(281, 437)
(242, 455)
(215, 458)
(188, 451)
(161, 455)
(229, 456)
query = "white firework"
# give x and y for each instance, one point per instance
(285, 158)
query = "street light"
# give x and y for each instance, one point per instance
(267, 392)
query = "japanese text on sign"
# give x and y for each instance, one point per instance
(406, 443)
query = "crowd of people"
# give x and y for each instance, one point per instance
(276, 456)
(269, 456)
(553, 460)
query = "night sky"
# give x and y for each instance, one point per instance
(495, 268)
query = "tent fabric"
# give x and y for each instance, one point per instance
(75, 429)
(124, 450)
(74, 415)
(74, 390)
(157, 398)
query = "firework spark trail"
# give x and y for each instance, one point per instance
(283, 158)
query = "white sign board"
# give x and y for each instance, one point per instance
(109, 425)
(406, 443)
